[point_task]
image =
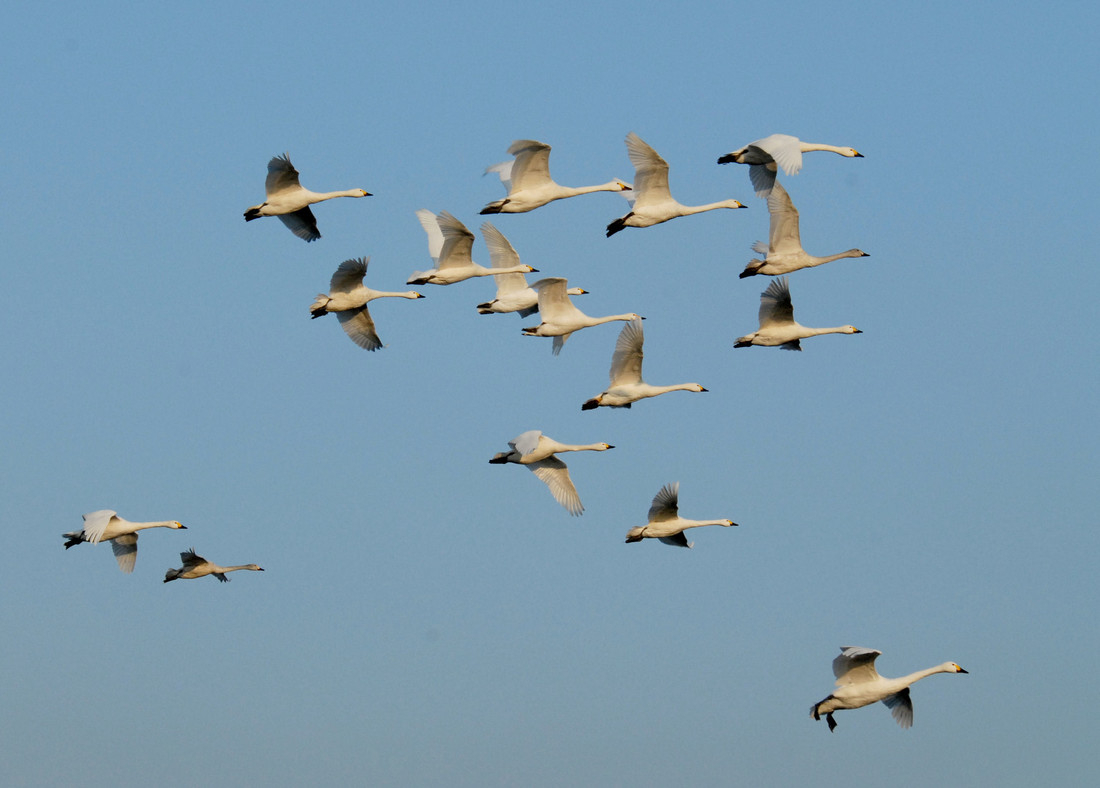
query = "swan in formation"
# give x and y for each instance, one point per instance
(665, 522)
(626, 374)
(537, 451)
(783, 150)
(348, 298)
(652, 202)
(859, 684)
(528, 180)
(106, 525)
(559, 317)
(290, 202)
(197, 566)
(513, 293)
(450, 245)
(783, 252)
(777, 326)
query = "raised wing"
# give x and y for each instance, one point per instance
(502, 255)
(901, 707)
(554, 303)
(665, 504)
(783, 235)
(281, 175)
(650, 172)
(435, 236)
(95, 524)
(349, 275)
(785, 149)
(763, 178)
(555, 475)
(855, 665)
(125, 550)
(191, 559)
(302, 223)
(359, 326)
(626, 361)
(458, 242)
(775, 303)
(532, 164)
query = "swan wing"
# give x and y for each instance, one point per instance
(302, 223)
(626, 361)
(502, 255)
(359, 326)
(554, 303)
(504, 170)
(901, 707)
(125, 550)
(650, 173)
(532, 164)
(349, 275)
(435, 236)
(775, 304)
(676, 540)
(555, 475)
(527, 442)
(785, 149)
(95, 524)
(855, 665)
(191, 559)
(783, 235)
(281, 175)
(762, 177)
(665, 504)
(458, 242)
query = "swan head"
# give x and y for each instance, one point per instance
(624, 186)
(531, 270)
(736, 204)
(605, 446)
(851, 153)
(360, 193)
(177, 524)
(858, 253)
(695, 387)
(851, 330)
(954, 668)
(727, 523)
(255, 567)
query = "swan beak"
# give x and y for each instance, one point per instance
(865, 255)
(184, 527)
(859, 155)
(701, 389)
(421, 295)
(741, 205)
(960, 670)
(259, 569)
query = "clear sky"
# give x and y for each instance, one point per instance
(927, 488)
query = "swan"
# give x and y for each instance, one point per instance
(559, 317)
(530, 186)
(513, 294)
(197, 566)
(861, 685)
(665, 522)
(783, 251)
(290, 202)
(626, 373)
(106, 525)
(537, 451)
(778, 149)
(450, 244)
(348, 298)
(777, 326)
(653, 203)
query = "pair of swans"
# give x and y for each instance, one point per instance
(513, 292)
(286, 199)
(765, 156)
(559, 317)
(783, 253)
(451, 245)
(665, 523)
(348, 298)
(627, 385)
(527, 178)
(777, 324)
(652, 201)
(859, 684)
(537, 451)
(106, 525)
(196, 566)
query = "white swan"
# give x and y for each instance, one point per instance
(665, 522)
(778, 149)
(653, 203)
(197, 566)
(859, 684)
(777, 326)
(530, 186)
(513, 294)
(290, 202)
(626, 373)
(559, 317)
(348, 298)
(537, 451)
(783, 252)
(106, 525)
(450, 245)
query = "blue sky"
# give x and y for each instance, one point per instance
(926, 488)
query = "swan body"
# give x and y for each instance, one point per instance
(653, 203)
(559, 317)
(859, 684)
(530, 186)
(665, 522)
(627, 385)
(197, 566)
(450, 245)
(766, 155)
(783, 252)
(106, 525)
(290, 202)
(513, 293)
(777, 325)
(537, 451)
(348, 298)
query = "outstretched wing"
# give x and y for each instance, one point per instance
(281, 175)
(855, 665)
(359, 326)
(532, 164)
(665, 504)
(555, 475)
(783, 235)
(901, 707)
(302, 223)
(775, 304)
(349, 275)
(95, 524)
(650, 172)
(626, 361)
(125, 550)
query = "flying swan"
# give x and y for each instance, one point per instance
(665, 522)
(197, 566)
(106, 525)
(777, 326)
(859, 684)
(450, 245)
(348, 298)
(559, 317)
(783, 150)
(513, 293)
(537, 451)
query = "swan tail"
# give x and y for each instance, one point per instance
(73, 538)
(485, 309)
(320, 306)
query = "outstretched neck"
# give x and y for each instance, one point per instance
(319, 196)
(710, 206)
(806, 147)
(154, 524)
(947, 667)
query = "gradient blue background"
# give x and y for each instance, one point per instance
(927, 488)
